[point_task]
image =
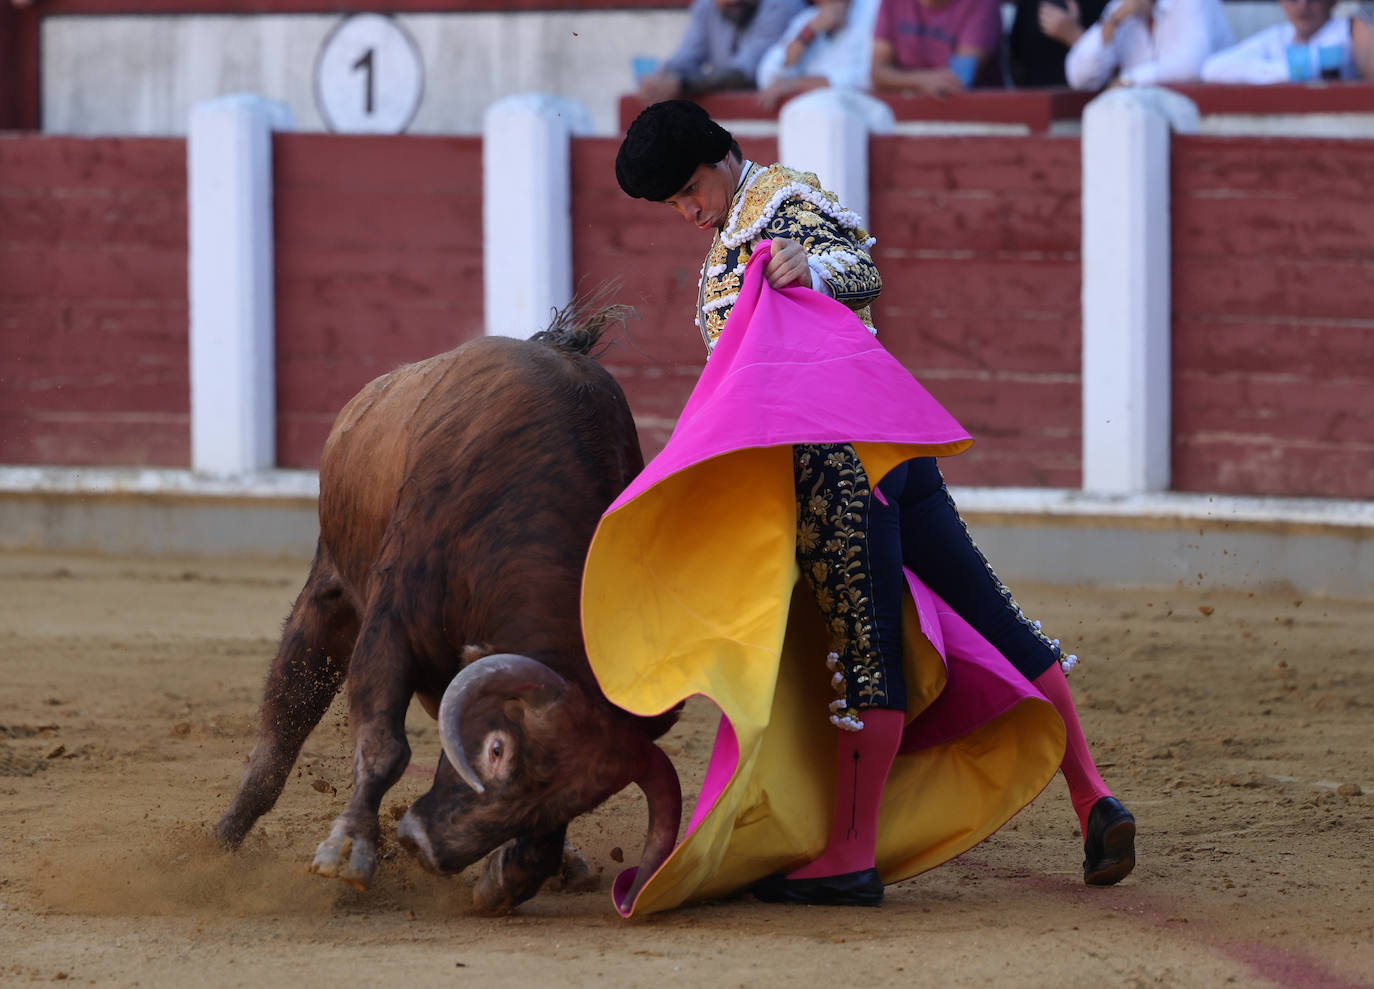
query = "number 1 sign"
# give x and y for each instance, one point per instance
(368, 76)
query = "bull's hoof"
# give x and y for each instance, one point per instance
(353, 860)
(230, 830)
(492, 903)
(575, 875)
(490, 897)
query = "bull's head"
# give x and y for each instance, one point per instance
(525, 752)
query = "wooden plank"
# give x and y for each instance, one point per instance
(1317, 289)
(124, 273)
(44, 162)
(333, 277)
(100, 217)
(367, 164)
(1283, 98)
(1299, 346)
(1027, 346)
(1243, 225)
(53, 330)
(95, 439)
(314, 218)
(1015, 464)
(1030, 166)
(1274, 407)
(990, 287)
(1256, 466)
(984, 221)
(1271, 167)
(1004, 405)
(1036, 110)
(122, 386)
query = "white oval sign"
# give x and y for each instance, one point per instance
(368, 76)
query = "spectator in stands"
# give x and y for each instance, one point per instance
(721, 47)
(1362, 41)
(922, 45)
(1041, 36)
(1143, 43)
(1265, 57)
(828, 44)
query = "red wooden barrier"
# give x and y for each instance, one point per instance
(378, 262)
(1036, 109)
(93, 314)
(1299, 98)
(1273, 325)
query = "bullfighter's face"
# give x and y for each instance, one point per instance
(705, 200)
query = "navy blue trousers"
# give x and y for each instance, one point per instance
(851, 547)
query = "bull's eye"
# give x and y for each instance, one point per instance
(495, 763)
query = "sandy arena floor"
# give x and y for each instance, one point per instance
(1237, 727)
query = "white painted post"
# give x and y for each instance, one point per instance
(1126, 287)
(526, 210)
(826, 131)
(233, 381)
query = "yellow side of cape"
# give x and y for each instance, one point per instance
(692, 588)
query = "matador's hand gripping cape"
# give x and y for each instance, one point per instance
(691, 587)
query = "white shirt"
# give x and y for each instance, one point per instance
(842, 57)
(1263, 57)
(1184, 33)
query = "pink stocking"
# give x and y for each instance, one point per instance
(863, 760)
(1085, 785)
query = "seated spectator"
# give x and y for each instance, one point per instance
(1264, 57)
(830, 44)
(923, 45)
(1362, 41)
(1142, 43)
(721, 47)
(1041, 36)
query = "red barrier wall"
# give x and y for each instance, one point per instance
(1273, 323)
(378, 262)
(978, 245)
(93, 358)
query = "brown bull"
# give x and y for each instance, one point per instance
(458, 497)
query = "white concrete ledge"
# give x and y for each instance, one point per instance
(152, 483)
(1058, 537)
(1170, 506)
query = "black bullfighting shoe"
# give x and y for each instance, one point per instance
(850, 889)
(1109, 849)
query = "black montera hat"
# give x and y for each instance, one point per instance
(663, 147)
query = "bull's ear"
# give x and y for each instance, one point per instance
(503, 678)
(474, 651)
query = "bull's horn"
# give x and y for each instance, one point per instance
(663, 793)
(520, 676)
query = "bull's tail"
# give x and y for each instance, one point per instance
(579, 326)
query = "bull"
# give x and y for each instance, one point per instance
(458, 497)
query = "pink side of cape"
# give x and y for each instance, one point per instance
(794, 366)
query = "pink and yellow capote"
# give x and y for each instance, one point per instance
(692, 587)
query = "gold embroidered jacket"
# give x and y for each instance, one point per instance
(781, 202)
